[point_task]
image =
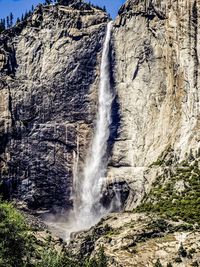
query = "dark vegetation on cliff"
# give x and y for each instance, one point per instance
(15, 239)
(9, 21)
(176, 193)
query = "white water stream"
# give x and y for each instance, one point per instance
(89, 210)
(88, 188)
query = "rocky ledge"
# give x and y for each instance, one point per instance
(138, 240)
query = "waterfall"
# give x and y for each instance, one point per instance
(88, 187)
(90, 210)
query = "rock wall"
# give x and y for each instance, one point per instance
(156, 73)
(49, 68)
(49, 77)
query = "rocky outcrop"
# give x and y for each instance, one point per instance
(156, 74)
(49, 79)
(137, 240)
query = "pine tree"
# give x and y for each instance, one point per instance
(25, 15)
(11, 19)
(48, 2)
(158, 263)
(18, 20)
(7, 22)
(2, 25)
(102, 259)
(182, 252)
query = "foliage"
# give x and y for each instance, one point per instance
(178, 260)
(100, 260)
(158, 263)
(9, 21)
(169, 202)
(195, 264)
(2, 25)
(182, 252)
(15, 239)
(98, 7)
(20, 248)
(52, 258)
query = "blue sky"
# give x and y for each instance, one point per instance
(17, 7)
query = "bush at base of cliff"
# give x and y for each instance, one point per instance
(19, 246)
(52, 258)
(100, 260)
(15, 239)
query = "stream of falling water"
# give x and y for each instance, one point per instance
(88, 188)
(88, 209)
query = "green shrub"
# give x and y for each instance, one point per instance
(100, 260)
(52, 258)
(182, 252)
(195, 264)
(165, 200)
(178, 260)
(15, 239)
(158, 263)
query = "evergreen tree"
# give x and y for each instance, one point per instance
(2, 25)
(182, 252)
(102, 259)
(29, 13)
(7, 22)
(25, 15)
(158, 263)
(48, 2)
(11, 19)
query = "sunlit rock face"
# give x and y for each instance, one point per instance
(156, 74)
(48, 101)
(49, 81)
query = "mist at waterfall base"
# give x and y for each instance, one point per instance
(88, 186)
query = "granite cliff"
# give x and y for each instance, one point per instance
(49, 84)
(156, 74)
(49, 77)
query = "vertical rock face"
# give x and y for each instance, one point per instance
(48, 88)
(156, 73)
(49, 67)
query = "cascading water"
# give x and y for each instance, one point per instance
(89, 210)
(88, 188)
